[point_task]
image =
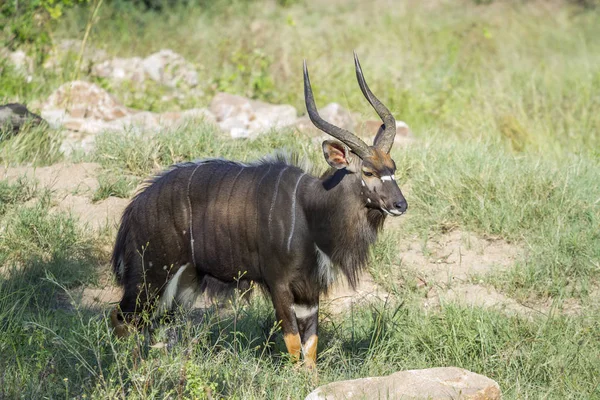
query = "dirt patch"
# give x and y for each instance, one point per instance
(72, 187)
(472, 295)
(74, 178)
(450, 268)
(457, 257)
(105, 213)
(342, 297)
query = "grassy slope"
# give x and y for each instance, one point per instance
(520, 83)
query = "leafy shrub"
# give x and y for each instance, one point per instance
(28, 21)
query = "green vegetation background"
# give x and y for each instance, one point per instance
(503, 97)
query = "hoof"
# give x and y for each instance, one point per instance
(120, 328)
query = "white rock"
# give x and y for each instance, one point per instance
(85, 110)
(170, 68)
(120, 69)
(242, 117)
(21, 61)
(79, 99)
(431, 384)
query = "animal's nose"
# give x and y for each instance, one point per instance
(401, 205)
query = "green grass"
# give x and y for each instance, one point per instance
(38, 248)
(549, 207)
(15, 193)
(503, 99)
(36, 146)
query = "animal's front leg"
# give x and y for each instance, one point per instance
(284, 312)
(307, 317)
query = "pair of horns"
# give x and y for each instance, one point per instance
(384, 139)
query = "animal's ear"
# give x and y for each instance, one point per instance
(336, 154)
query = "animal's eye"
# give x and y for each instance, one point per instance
(367, 173)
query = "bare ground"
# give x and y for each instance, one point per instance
(72, 187)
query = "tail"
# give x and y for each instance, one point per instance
(118, 255)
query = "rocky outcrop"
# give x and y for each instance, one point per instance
(170, 69)
(427, 384)
(121, 69)
(82, 100)
(85, 109)
(165, 67)
(245, 118)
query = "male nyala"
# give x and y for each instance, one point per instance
(199, 226)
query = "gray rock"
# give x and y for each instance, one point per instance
(83, 100)
(121, 69)
(431, 384)
(332, 113)
(243, 118)
(170, 69)
(14, 115)
(164, 67)
(85, 109)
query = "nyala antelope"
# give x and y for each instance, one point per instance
(200, 226)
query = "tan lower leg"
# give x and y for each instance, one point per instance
(293, 344)
(310, 351)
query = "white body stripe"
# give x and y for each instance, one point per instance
(303, 312)
(289, 242)
(199, 164)
(231, 191)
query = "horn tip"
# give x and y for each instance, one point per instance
(356, 62)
